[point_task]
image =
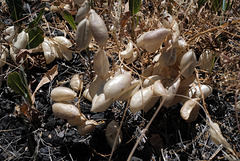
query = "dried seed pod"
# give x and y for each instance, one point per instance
(152, 40)
(159, 89)
(206, 90)
(98, 28)
(114, 87)
(79, 2)
(47, 50)
(140, 99)
(206, 60)
(168, 57)
(65, 111)
(10, 31)
(55, 49)
(77, 120)
(86, 94)
(101, 63)
(63, 41)
(96, 85)
(130, 91)
(217, 137)
(132, 58)
(151, 103)
(188, 63)
(63, 94)
(67, 54)
(3, 55)
(82, 12)
(83, 34)
(111, 134)
(190, 109)
(86, 127)
(100, 103)
(76, 83)
(150, 80)
(128, 52)
(20, 42)
(170, 94)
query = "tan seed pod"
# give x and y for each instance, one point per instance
(55, 49)
(98, 28)
(86, 95)
(76, 83)
(83, 34)
(188, 63)
(63, 40)
(205, 60)
(77, 120)
(4, 52)
(67, 54)
(101, 63)
(190, 109)
(63, 94)
(86, 127)
(79, 2)
(100, 103)
(140, 99)
(10, 33)
(130, 91)
(48, 54)
(159, 89)
(65, 111)
(132, 58)
(128, 52)
(82, 11)
(152, 40)
(150, 80)
(114, 87)
(111, 134)
(170, 94)
(168, 57)
(96, 85)
(20, 42)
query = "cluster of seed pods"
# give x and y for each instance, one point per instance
(64, 107)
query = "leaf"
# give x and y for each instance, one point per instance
(48, 77)
(68, 17)
(134, 6)
(35, 37)
(15, 82)
(16, 9)
(39, 17)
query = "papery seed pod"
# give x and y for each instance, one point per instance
(206, 60)
(101, 63)
(87, 95)
(76, 83)
(98, 28)
(63, 94)
(114, 87)
(238, 105)
(63, 40)
(151, 103)
(4, 52)
(130, 91)
(100, 103)
(128, 52)
(168, 57)
(140, 99)
(111, 134)
(77, 120)
(206, 90)
(65, 111)
(150, 80)
(159, 89)
(167, 20)
(152, 40)
(67, 54)
(96, 85)
(132, 58)
(82, 12)
(79, 2)
(49, 56)
(10, 31)
(83, 34)
(86, 127)
(170, 94)
(20, 42)
(55, 50)
(190, 109)
(217, 137)
(188, 63)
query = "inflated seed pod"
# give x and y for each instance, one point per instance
(86, 127)
(67, 54)
(150, 80)
(77, 120)
(170, 93)
(63, 94)
(152, 40)
(132, 58)
(82, 12)
(111, 134)
(206, 90)
(205, 60)
(83, 34)
(98, 28)
(4, 52)
(76, 83)
(100, 103)
(96, 85)
(190, 109)
(86, 95)
(188, 63)
(128, 52)
(130, 91)
(79, 2)
(48, 54)
(101, 63)
(159, 89)
(151, 103)
(10, 31)
(20, 42)
(114, 87)
(55, 48)
(65, 111)
(168, 57)
(140, 99)
(63, 40)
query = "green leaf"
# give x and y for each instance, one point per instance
(35, 37)
(134, 6)
(68, 17)
(36, 20)
(16, 9)
(15, 82)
